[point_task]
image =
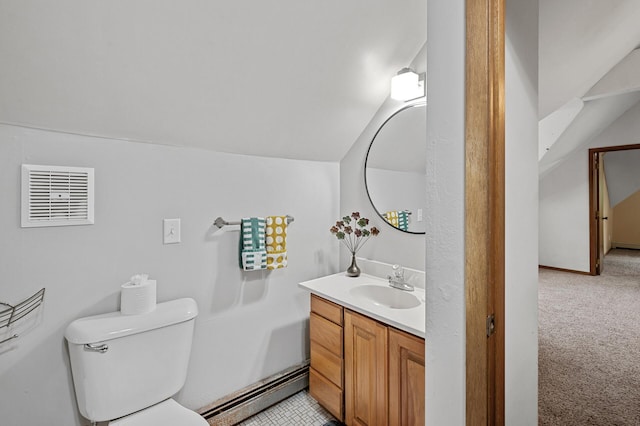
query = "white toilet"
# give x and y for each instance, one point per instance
(126, 367)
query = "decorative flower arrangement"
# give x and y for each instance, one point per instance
(354, 236)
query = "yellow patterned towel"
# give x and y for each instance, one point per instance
(276, 239)
(392, 217)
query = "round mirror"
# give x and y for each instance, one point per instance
(395, 169)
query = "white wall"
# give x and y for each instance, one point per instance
(623, 174)
(521, 219)
(250, 324)
(564, 198)
(445, 329)
(564, 215)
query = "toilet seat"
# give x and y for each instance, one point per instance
(166, 413)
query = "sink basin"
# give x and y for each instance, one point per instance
(386, 296)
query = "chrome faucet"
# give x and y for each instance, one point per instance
(397, 280)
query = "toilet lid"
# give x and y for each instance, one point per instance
(168, 413)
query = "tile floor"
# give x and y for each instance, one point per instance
(298, 410)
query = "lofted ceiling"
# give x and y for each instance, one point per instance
(289, 79)
(589, 72)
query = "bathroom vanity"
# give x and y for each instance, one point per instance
(367, 350)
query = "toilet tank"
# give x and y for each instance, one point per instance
(125, 363)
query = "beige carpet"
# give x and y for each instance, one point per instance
(589, 345)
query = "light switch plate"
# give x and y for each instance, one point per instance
(171, 231)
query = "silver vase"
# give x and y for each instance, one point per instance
(353, 270)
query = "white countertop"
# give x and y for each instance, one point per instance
(337, 288)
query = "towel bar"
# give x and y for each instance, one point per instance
(220, 222)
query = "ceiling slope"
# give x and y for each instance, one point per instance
(580, 41)
(594, 117)
(624, 77)
(554, 125)
(289, 79)
(588, 72)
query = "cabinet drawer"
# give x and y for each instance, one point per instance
(326, 333)
(326, 363)
(324, 308)
(326, 393)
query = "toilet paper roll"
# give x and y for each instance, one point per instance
(138, 299)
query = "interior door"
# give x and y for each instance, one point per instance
(596, 224)
(598, 217)
(601, 216)
(594, 211)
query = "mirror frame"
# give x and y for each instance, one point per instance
(413, 104)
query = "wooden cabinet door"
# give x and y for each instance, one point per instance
(406, 379)
(365, 386)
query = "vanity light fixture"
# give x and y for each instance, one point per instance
(406, 85)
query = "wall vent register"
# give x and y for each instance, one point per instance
(57, 196)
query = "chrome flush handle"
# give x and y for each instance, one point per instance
(97, 348)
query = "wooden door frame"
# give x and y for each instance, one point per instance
(484, 210)
(593, 219)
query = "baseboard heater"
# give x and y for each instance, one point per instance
(241, 405)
